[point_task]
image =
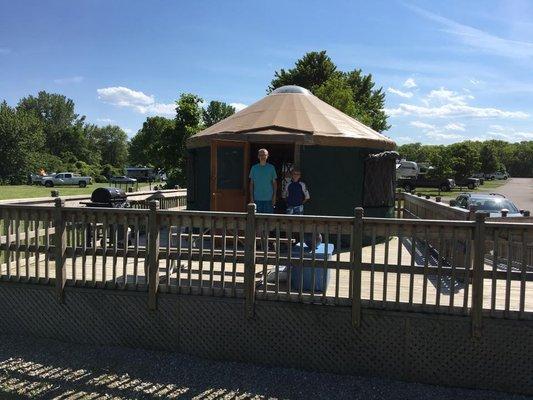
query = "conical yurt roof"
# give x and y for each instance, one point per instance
(293, 114)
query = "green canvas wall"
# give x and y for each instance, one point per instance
(199, 179)
(334, 176)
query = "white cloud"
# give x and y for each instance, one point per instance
(409, 83)
(70, 79)
(138, 101)
(238, 106)
(455, 126)
(525, 135)
(475, 81)
(400, 93)
(405, 139)
(509, 133)
(453, 110)
(106, 120)
(499, 134)
(124, 97)
(443, 136)
(478, 39)
(159, 109)
(445, 95)
(128, 130)
(477, 139)
(422, 125)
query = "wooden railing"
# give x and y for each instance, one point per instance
(170, 201)
(416, 265)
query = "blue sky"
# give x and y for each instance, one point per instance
(452, 70)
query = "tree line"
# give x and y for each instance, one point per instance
(460, 160)
(45, 132)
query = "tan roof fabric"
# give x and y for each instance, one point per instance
(293, 117)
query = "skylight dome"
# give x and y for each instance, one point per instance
(291, 89)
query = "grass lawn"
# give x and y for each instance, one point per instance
(27, 191)
(488, 186)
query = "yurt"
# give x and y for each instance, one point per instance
(344, 163)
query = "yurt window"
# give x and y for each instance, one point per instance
(229, 167)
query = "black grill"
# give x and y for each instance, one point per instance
(108, 197)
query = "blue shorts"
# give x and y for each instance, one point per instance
(295, 210)
(265, 207)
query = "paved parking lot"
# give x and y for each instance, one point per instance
(520, 191)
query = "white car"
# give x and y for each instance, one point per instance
(500, 175)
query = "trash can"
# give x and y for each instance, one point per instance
(321, 253)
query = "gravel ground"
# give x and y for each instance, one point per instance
(49, 369)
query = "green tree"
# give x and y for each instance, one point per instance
(369, 101)
(411, 151)
(63, 128)
(188, 122)
(520, 160)
(337, 92)
(216, 111)
(311, 71)
(464, 159)
(21, 144)
(147, 147)
(111, 142)
(490, 161)
(316, 72)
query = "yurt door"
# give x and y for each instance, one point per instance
(229, 175)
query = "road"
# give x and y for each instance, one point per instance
(520, 191)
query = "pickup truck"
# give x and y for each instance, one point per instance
(444, 185)
(470, 183)
(66, 178)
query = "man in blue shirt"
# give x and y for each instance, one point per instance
(263, 184)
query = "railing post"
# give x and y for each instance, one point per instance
(472, 212)
(357, 249)
(249, 260)
(477, 274)
(399, 204)
(60, 248)
(153, 254)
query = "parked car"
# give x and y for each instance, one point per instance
(122, 179)
(500, 175)
(487, 176)
(470, 183)
(66, 178)
(444, 185)
(493, 203)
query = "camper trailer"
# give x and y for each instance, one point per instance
(142, 174)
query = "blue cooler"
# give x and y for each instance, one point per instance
(321, 253)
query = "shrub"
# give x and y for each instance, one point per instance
(100, 179)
